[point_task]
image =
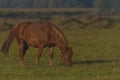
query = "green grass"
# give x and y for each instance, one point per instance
(96, 57)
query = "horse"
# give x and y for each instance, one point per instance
(39, 35)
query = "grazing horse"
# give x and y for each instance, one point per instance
(39, 35)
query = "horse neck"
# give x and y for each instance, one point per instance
(59, 38)
(62, 45)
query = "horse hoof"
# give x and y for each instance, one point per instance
(22, 65)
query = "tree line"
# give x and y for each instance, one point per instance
(45, 3)
(100, 5)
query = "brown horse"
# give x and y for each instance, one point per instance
(38, 35)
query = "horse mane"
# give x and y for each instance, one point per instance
(59, 34)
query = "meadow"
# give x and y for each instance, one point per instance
(96, 56)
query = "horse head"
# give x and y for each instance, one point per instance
(67, 56)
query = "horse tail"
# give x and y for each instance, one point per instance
(7, 43)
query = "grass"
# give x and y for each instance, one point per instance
(96, 57)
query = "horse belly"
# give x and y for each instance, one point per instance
(33, 43)
(36, 41)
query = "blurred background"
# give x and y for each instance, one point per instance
(100, 5)
(64, 13)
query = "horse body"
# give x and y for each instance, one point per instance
(39, 35)
(33, 34)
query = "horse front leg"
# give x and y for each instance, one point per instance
(51, 56)
(40, 49)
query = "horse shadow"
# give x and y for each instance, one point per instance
(92, 62)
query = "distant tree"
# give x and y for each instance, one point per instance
(40, 3)
(60, 3)
(107, 6)
(17, 4)
(28, 3)
(103, 5)
(84, 3)
(115, 6)
(4, 3)
(53, 3)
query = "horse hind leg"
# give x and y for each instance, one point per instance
(51, 56)
(25, 47)
(22, 50)
(21, 53)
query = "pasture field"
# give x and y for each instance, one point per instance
(96, 57)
